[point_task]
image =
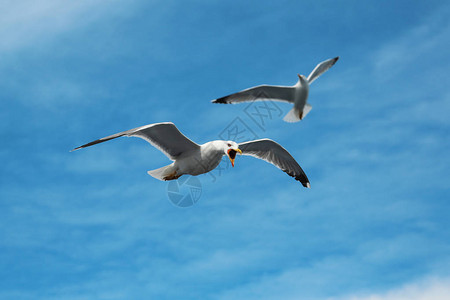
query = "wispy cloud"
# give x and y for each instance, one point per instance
(426, 289)
(94, 225)
(421, 43)
(31, 23)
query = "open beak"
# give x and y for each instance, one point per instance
(232, 154)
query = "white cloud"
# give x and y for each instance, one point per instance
(25, 23)
(415, 45)
(428, 289)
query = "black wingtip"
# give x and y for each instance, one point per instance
(336, 58)
(303, 180)
(75, 149)
(220, 100)
(306, 184)
(90, 144)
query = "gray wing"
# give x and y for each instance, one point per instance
(321, 68)
(261, 92)
(164, 136)
(273, 153)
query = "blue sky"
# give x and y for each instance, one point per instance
(92, 224)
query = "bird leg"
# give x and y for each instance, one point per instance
(172, 176)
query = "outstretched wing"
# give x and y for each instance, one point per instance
(273, 153)
(164, 136)
(261, 92)
(321, 68)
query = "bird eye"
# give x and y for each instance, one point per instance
(229, 145)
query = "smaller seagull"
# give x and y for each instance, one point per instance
(193, 159)
(296, 94)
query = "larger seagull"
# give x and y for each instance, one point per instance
(193, 159)
(296, 94)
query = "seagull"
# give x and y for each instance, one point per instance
(296, 94)
(193, 159)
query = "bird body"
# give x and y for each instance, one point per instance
(193, 159)
(296, 94)
(301, 92)
(202, 160)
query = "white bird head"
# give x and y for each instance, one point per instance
(302, 79)
(231, 149)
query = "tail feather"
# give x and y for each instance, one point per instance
(306, 109)
(162, 173)
(295, 115)
(292, 116)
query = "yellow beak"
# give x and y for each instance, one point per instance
(233, 156)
